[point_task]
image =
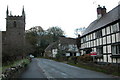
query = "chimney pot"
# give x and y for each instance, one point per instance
(101, 11)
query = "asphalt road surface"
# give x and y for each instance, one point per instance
(45, 68)
(33, 71)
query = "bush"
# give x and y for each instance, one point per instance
(84, 58)
(72, 59)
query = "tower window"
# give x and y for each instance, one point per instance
(14, 24)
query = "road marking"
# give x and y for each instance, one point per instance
(45, 72)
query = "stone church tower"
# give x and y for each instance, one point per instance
(14, 37)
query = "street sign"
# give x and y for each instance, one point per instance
(93, 54)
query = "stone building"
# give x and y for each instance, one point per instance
(13, 39)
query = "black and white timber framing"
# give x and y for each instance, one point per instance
(103, 36)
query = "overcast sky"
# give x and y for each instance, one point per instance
(67, 14)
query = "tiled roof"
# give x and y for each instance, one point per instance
(106, 19)
(51, 46)
(64, 40)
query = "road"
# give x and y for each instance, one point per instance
(33, 71)
(45, 68)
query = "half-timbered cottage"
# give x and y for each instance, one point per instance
(103, 36)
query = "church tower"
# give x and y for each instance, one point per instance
(15, 32)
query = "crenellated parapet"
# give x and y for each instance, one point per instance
(15, 17)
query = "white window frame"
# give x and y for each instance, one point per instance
(103, 32)
(109, 48)
(108, 39)
(108, 30)
(104, 40)
(104, 49)
(100, 39)
(117, 37)
(113, 38)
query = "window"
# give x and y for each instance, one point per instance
(113, 38)
(100, 50)
(109, 48)
(118, 26)
(81, 40)
(118, 49)
(97, 42)
(103, 32)
(115, 28)
(87, 44)
(94, 42)
(93, 35)
(104, 40)
(98, 34)
(104, 49)
(108, 39)
(108, 30)
(86, 38)
(94, 50)
(14, 23)
(100, 41)
(91, 43)
(117, 37)
(115, 49)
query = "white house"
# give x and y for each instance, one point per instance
(103, 36)
(66, 45)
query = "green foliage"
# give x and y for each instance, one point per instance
(55, 32)
(15, 63)
(40, 38)
(72, 59)
(109, 69)
(32, 37)
(60, 53)
(60, 56)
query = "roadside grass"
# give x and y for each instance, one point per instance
(95, 69)
(87, 67)
(15, 63)
(0, 69)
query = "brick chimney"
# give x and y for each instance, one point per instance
(100, 11)
(103, 10)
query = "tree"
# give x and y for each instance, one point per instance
(40, 38)
(33, 37)
(79, 31)
(55, 32)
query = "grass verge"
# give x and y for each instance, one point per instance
(15, 63)
(95, 69)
